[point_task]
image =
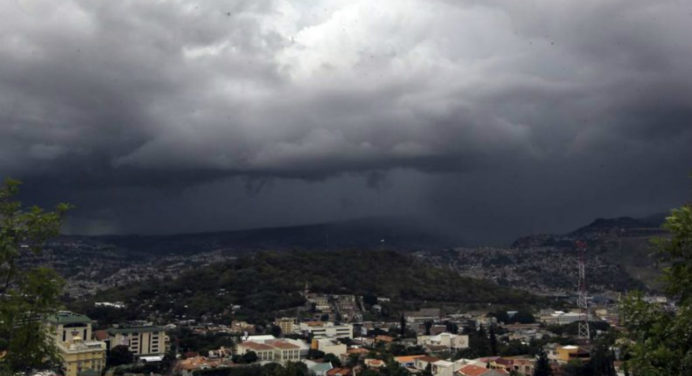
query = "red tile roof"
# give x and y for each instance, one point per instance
(429, 359)
(256, 346)
(282, 345)
(374, 362)
(358, 350)
(472, 370)
(339, 371)
(504, 362)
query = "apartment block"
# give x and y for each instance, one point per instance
(319, 329)
(141, 340)
(71, 334)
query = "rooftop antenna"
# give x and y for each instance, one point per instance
(582, 301)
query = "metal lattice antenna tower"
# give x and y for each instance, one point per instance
(582, 301)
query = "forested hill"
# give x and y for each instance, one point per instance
(266, 282)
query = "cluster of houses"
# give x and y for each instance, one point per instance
(355, 345)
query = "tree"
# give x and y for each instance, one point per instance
(601, 362)
(576, 367)
(452, 327)
(315, 354)
(428, 325)
(276, 331)
(27, 294)
(333, 359)
(428, 370)
(542, 367)
(402, 325)
(370, 299)
(493, 341)
(249, 357)
(659, 337)
(119, 355)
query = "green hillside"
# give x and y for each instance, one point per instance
(268, 282)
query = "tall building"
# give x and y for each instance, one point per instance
(71, 334)
(287, 324)
(141, 340)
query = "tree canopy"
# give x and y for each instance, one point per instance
(27, 292)
(659, 337)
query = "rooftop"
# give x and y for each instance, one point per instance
(428, 359)
(472, 370)
(135, 329)
(282, 345)
(256, 346)
(407, 358)
(67, 317)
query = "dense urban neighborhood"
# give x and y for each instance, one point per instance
(437, 312)
(427, 341)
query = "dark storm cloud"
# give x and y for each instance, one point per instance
(117, 101)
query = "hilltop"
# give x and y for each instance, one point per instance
(267, 282)
(617, 258)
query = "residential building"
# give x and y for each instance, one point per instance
(561, 317)
(564, 354)
(442, 368)
(188, 366)
(472, 370)
(475, 370)
(521, 364)
(424, 314)
(287, 324)
(329, 346)
(264, 352)
(302, 345)
(374, 363)
(407, 360)
(449, 340)
(72, 336)
(146, 340)
(384, 338)
(272, 350)
(285, 351)
(319, 329)
(320, 301)
(422, 362)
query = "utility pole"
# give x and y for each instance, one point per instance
(582, 300)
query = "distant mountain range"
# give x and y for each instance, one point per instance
(618, 252)
(364, 234)
(622, 227)
(367, 233)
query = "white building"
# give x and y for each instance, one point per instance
(562, 318)
(329, 346)
(143, 341)
(442, 368)
(271, 351)
(453, 341)
(320, 329)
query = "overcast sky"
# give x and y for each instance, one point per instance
(489, 118)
